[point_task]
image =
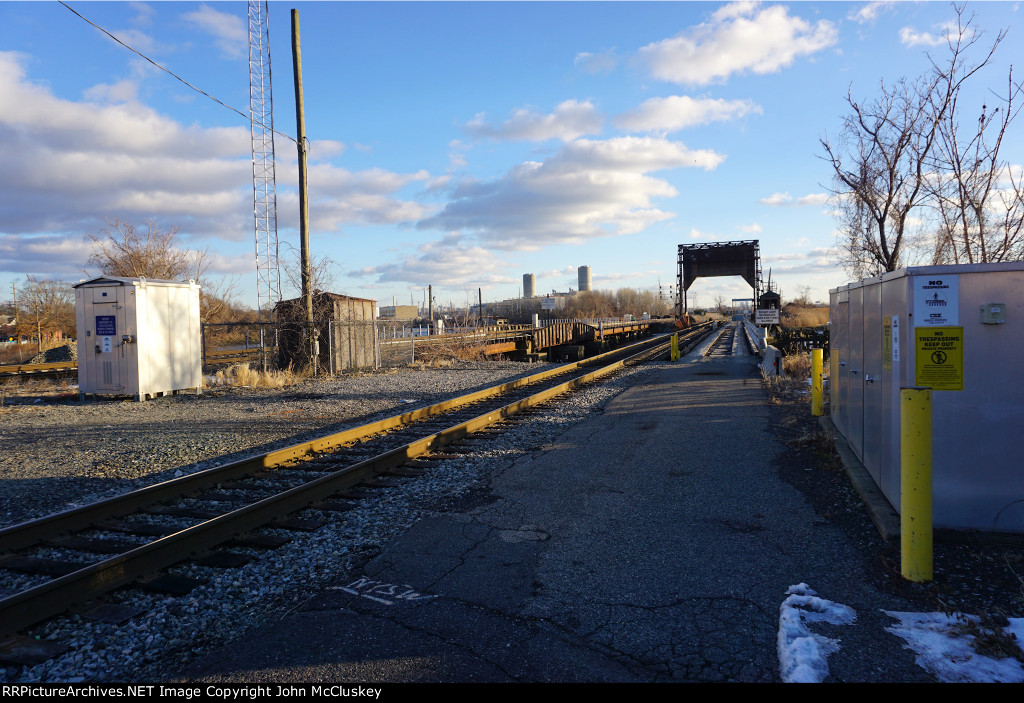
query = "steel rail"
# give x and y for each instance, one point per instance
(54, 366)
(37, 531)
(46, 600)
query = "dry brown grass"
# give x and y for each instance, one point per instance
(440, 353)
(989, 636)
(799, 316)
(794, 382)
(797, 366)
(244, 375)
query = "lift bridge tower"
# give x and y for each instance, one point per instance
(261, 112)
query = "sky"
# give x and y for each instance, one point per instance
(459, 145)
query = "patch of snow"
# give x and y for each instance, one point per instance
(803, 655)
(948, 655)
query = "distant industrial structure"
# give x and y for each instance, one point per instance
(585, 284)
(583, 276)
(529, 285)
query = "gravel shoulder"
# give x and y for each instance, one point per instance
(59, 452)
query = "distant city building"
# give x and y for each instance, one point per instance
(399, 312)
(585, 283)
(529, 285)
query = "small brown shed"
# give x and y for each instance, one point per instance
(344, 326)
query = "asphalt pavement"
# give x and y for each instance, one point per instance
(652, 542)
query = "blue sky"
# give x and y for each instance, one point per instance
(459, 144)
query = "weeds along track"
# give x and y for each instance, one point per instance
(53, 563)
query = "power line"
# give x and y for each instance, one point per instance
(169, 72)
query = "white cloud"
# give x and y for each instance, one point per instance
(448, 262)
(230, 30)
(338, 197)
(567, 272)
(911, 37)
(571, 119)
(601, 62)
(751, 228)
(588, 189)
(803, 263)
(139, 40)
(70, 165)
(786, 200)
(325, 149)
(870, 11)
(144, 14)
(740, 37)
(456, 154)
(677, 112)
(59, 257)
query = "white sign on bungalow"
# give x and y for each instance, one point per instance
(936, 301)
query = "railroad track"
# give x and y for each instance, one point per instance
(726, 341)
(50, 369)
(130, 539)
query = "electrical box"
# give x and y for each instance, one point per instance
(138, 337)
(917, 327)
(993, 313)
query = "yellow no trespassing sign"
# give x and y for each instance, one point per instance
(939, 358)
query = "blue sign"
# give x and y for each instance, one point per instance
(106, 325)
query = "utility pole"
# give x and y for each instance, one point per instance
(430, 303)
(480, 297)
(300, 126)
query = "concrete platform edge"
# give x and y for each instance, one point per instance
(883, 515)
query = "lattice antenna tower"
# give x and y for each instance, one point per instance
(264, 182)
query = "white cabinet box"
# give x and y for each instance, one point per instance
(958, 330)
(138, 337)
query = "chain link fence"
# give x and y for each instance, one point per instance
(335, 346)
(339, 346)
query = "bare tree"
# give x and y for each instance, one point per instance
(590, 304)
(123, 250)
(977, 194)
(882, 158)
(48, 306)
(323, 273)
(129, 252)
(721, 306)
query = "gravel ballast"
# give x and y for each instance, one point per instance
(59, 452)
(67, 453)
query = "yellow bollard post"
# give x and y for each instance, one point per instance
(817, 359)
(916, 484)
(674, 354)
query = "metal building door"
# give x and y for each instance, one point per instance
(106, 323)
